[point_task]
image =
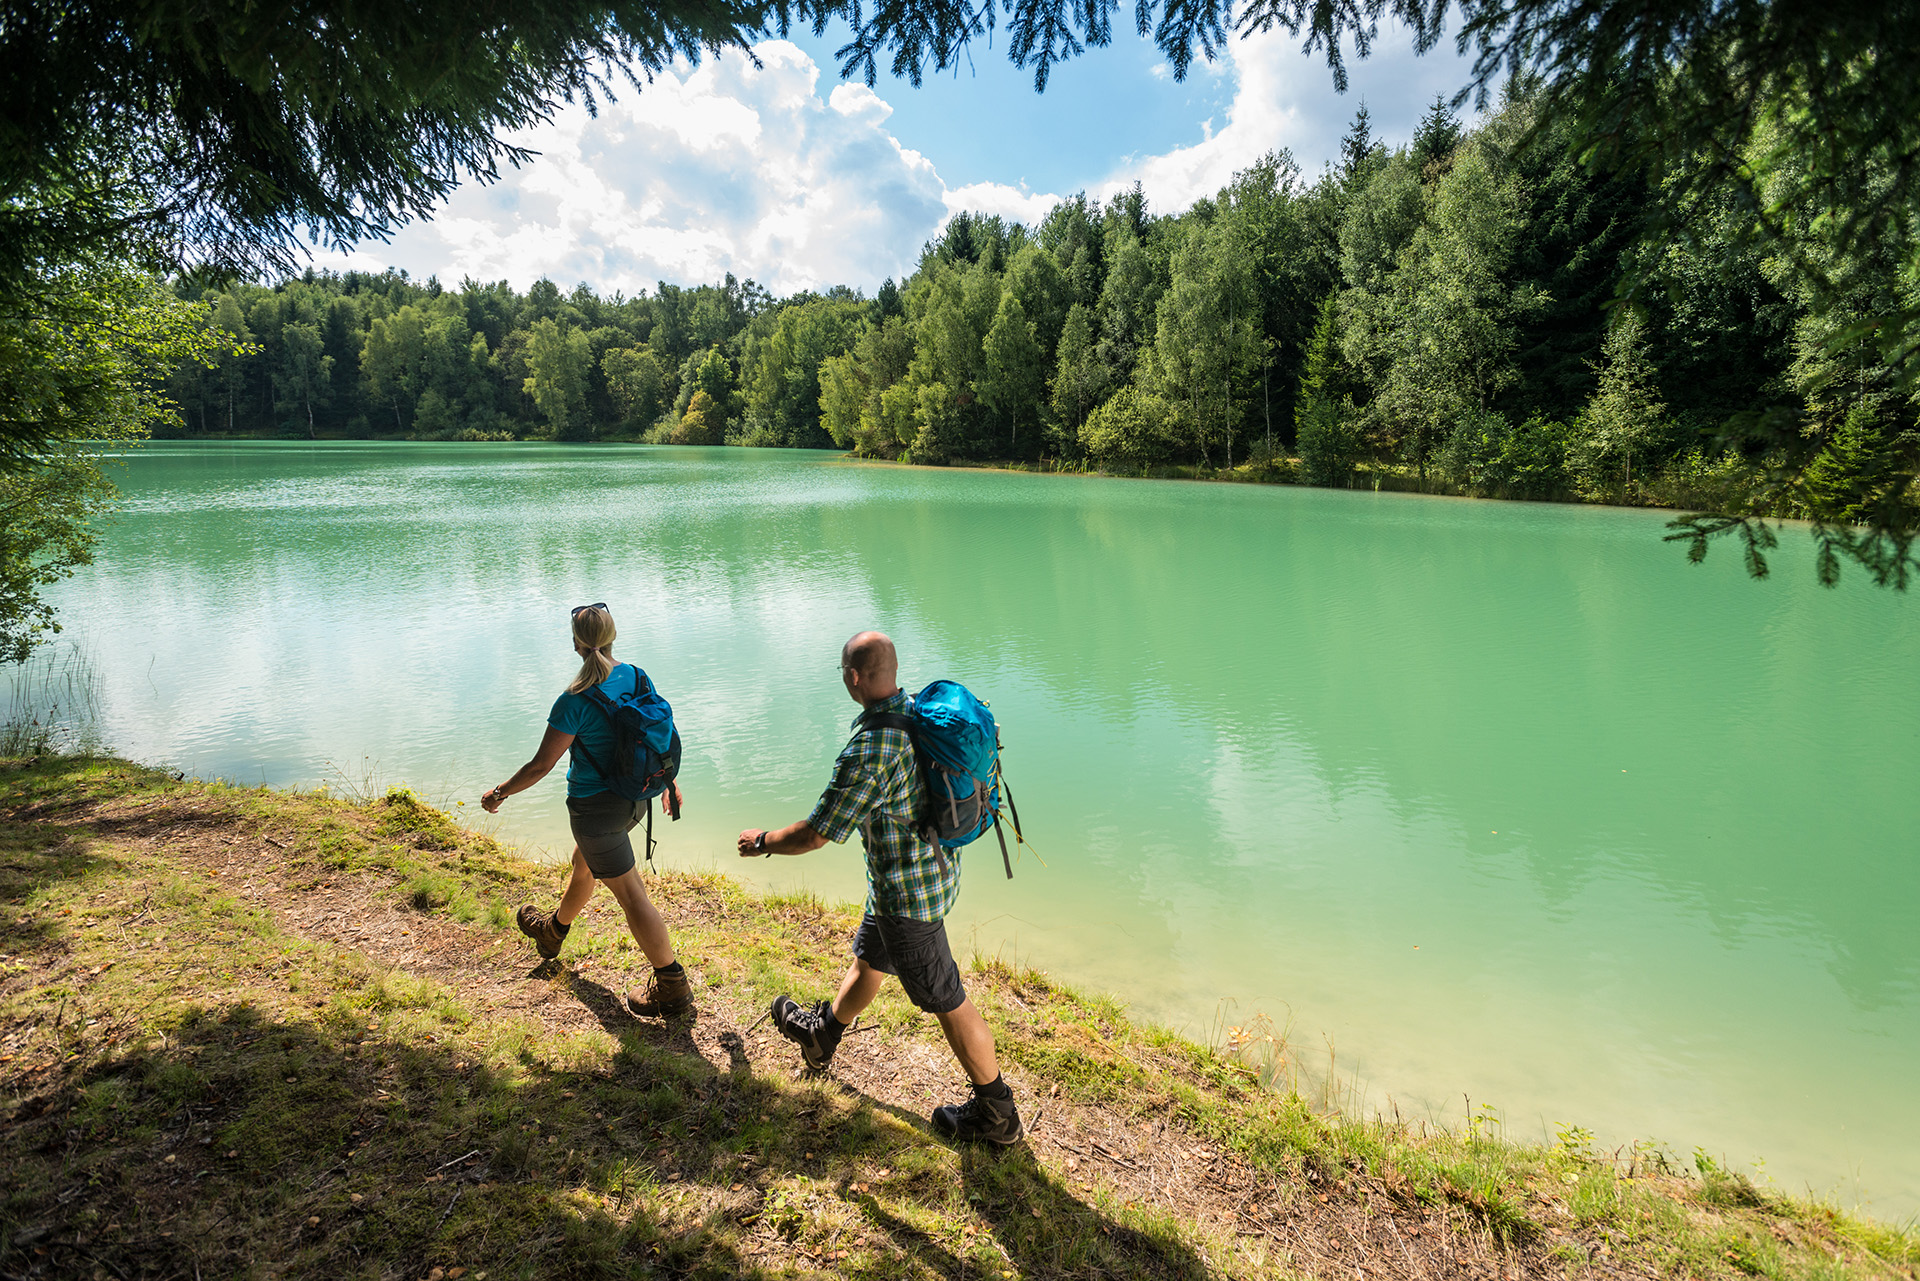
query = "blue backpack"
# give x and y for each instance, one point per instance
(957, 745)
(646, 746)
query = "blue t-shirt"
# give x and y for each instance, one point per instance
(574, 714)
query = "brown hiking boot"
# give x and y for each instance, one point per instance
(539, 926)
(666, 996)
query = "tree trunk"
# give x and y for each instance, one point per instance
(1226, 414)
(1266, 396)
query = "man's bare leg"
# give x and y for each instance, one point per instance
(972, 1042)
(857, 989)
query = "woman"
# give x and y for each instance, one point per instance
(601, 819)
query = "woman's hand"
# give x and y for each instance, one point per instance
(553, 744)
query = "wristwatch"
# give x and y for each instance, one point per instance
(760, 843)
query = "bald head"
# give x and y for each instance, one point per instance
(870, 667)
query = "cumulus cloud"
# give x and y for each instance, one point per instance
(721, 168)
(1015, 204)
(1283, 99)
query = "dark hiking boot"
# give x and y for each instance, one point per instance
(666, 996)
(980, 1118)
(812, 1029)
(539, 926)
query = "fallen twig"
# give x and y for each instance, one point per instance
(324, 1173)
(456, 1161)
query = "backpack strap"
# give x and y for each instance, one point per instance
(896, 720)
(580, 746)
(1013, 810)
(604, 705)
(650, 866)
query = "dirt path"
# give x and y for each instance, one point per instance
(1335, 1224)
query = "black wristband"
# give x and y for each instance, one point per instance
(760, 843)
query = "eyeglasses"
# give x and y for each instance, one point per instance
(599, 605)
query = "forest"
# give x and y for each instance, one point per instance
(1478, 311)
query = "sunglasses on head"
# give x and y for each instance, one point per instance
(599, 605)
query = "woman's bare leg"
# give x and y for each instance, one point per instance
(579, 890)
(643, 918)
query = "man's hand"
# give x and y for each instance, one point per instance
(747, 843)
(676, 801)
(490, 801)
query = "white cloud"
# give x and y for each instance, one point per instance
(1283, 99)
(716, 169)
(1013, 203)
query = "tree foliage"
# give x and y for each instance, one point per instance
(81, 368)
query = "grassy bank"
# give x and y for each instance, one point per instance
(251, 1033)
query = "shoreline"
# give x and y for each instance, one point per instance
(219, 996)
(1385, 481)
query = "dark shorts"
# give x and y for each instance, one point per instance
(916, 953)
(600, 826)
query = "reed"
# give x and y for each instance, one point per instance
(53, 703)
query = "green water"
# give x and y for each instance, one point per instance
(1498, 800)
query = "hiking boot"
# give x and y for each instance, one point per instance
(666, 996)
(980, 1118)
(813, 1030)
(540, 927)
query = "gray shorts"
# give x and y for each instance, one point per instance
(600, 825)
(916, 953)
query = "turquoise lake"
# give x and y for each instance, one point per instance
(1493, 801)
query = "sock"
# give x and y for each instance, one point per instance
(834, 1026)
(561, 927)
(672, 971)
(996, 1089)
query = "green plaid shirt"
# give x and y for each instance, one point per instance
(877, 788)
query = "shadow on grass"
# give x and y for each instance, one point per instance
(253, 1143)
(378, 1139)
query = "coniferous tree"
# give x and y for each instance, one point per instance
(1434, 139)
(1625, 418)
(1324, 433)
(1357, 143)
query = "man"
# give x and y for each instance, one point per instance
(911, 885)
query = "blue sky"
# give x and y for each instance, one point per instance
(790, 175)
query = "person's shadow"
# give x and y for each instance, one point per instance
(1039, 1225)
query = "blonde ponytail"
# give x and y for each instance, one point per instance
(593, 631)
